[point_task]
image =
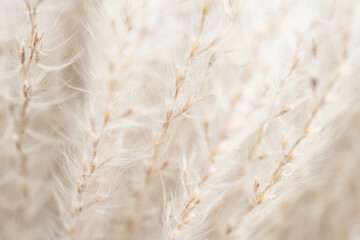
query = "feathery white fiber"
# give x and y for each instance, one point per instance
(176, 120)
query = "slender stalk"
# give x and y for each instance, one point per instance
(288, 157)
(22, 122)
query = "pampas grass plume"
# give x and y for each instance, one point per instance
(176, 120)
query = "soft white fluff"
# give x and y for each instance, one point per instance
(170, 119)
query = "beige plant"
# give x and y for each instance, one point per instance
(179, 119)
